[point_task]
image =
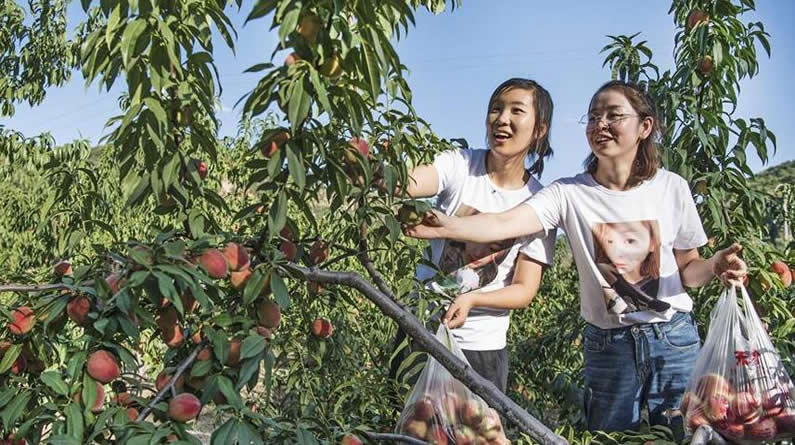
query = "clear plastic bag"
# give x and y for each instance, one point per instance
(441, 410)
(739, 386)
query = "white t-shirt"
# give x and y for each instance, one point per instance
(622, 243)
(465, 189)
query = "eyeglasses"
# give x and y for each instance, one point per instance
(610, 118)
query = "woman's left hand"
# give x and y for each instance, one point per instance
(728, 266)
(458, 311)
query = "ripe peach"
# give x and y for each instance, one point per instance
(77, 309)
(309, 26)
(689, 400)
(163, 378)
(184, 407)
(774, 402)
(319, 252)
(490, 427)
(269, 314)
(123, 399)
(464, 435)
(265, 332)
(19, 365)
(132, 414)
(214, 263)
(168, 322)
(274, 142)
(423, 409)
(695, 419)
(102, 366)
(706, 65)
(356, 146)
(450, 404)
(233, 359)
(63, 269)
(189, 303)
(23, 320)
(201, 169)
(350, 439)
(416, 428)
(743, 408)
(783, 272)
(240, 278)
(236, 256)
(710, 384)
(733, 430)
(115, 282)
(437, 435)
(322, 328)
(291, 59)
(289, 249)
(785, 422)
(763, 429)
(695, 18)
(205, 354)
(472, 412)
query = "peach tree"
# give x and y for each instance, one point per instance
(167, 271)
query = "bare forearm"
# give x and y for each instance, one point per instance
(698, 272)
(490, 227)
(514, 296)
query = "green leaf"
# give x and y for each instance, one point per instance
(9, 357)
(262, 8)
(252, 345)
(226, 434)
(54, 380)
(277, 215)
(279, 290)
(14, 409)
(300, 102)
(256, 283)
(74, 421)
(296, 167)
(228, 390)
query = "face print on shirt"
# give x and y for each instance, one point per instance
(628, 256)
(471, 265)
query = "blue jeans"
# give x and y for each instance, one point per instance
(628, 367)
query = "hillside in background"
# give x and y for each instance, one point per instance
(767, 179)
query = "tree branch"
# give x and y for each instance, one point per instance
(364, 258)
(464, 373)
(37, 287)
(169, 387)
(394, 437)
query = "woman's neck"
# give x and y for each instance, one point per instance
(614, 174)
(506, 172)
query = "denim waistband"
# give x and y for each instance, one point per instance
(656, 328)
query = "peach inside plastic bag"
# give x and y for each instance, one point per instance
(739, 385)
(441, 410)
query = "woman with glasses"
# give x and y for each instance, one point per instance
(634, 232)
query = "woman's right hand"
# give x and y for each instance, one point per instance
(433, 226)
(458, 311)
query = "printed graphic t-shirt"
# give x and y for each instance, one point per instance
(465, 189)
(623, 242)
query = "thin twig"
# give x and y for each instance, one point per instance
(180, 369)
(364, 258)
(394, 437)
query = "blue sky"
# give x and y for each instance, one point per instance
(456, 59)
